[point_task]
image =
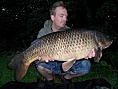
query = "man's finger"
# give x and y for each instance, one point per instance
(39, 58)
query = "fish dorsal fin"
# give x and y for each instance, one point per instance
(68, 64)
(98, 54)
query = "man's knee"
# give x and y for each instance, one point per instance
(86, 64)
(82, 67)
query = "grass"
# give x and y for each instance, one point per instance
(97, 71)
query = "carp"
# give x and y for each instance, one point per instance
(67, 46)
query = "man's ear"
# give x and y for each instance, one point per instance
(52, 17)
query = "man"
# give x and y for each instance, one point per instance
(58, 15)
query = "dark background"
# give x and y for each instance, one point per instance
(20, 20)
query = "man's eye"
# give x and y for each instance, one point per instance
(61, 15)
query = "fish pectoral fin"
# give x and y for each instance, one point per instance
(98, 54)
(21, 71)
(68, 64)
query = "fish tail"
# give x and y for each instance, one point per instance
(13, 64)
(21, 71)
(18, 64)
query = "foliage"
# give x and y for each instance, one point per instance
(111, 58)
(106, 16)
(20, 21)
(103, 64)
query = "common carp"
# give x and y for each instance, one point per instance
(67, 46)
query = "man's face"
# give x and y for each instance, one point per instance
(60, 17)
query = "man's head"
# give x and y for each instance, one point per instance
(58, 14)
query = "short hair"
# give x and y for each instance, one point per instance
(55, 5)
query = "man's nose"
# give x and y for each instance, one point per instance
(65, 18)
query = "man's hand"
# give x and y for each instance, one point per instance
(91, 54)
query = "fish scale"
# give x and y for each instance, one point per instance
(68, 46)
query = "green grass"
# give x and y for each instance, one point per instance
(97, 71)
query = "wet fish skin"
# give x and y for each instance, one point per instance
(67, 46)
